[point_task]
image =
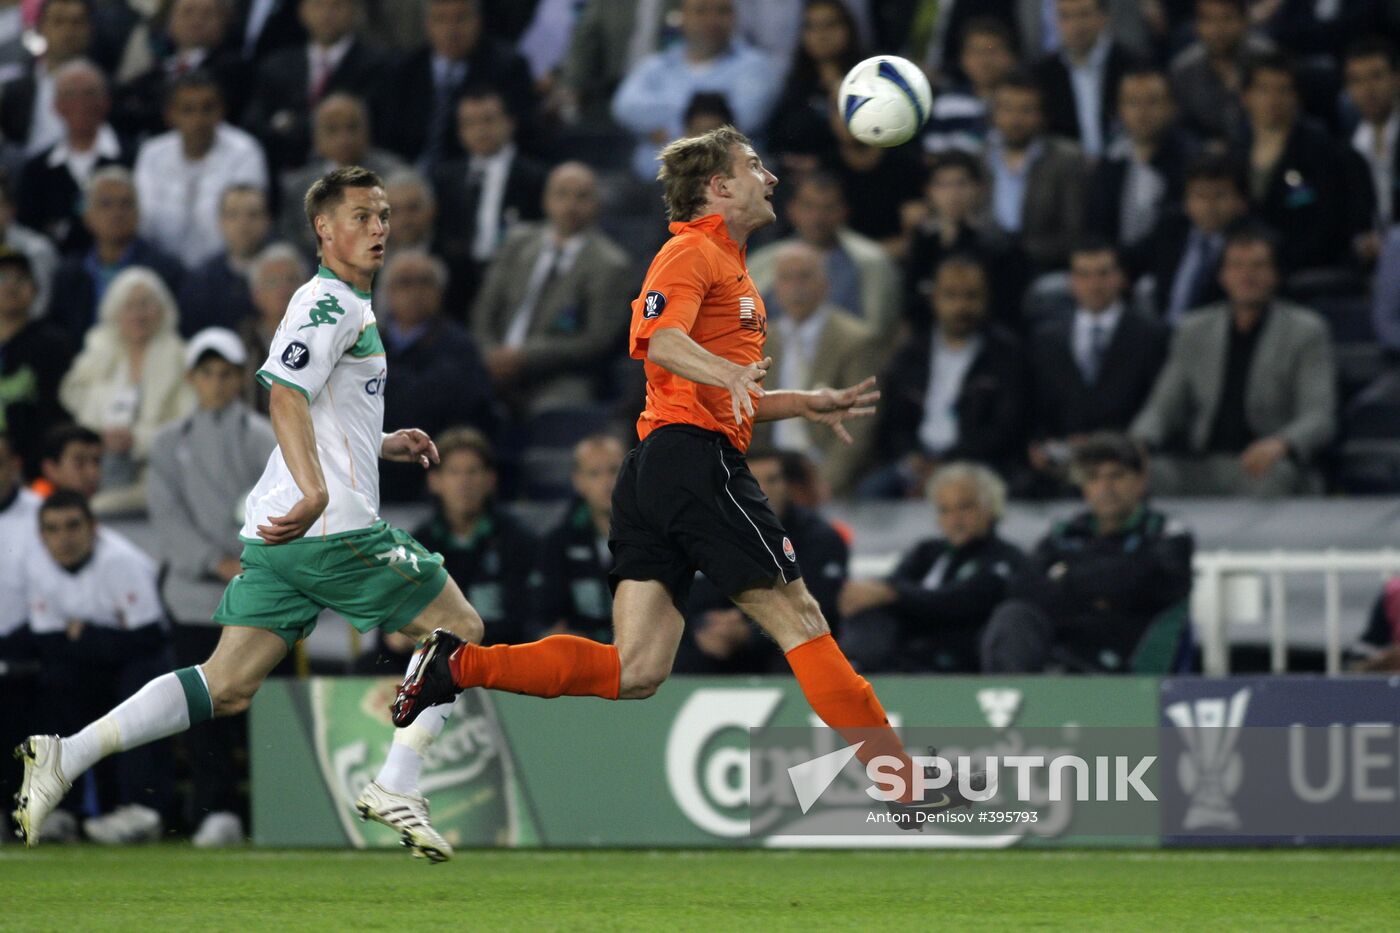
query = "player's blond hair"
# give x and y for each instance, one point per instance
(688, 164)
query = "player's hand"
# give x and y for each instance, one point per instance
(743, 386)
(297, 522)
(410, 445)
(834, 406)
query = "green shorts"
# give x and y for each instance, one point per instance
(377, 578)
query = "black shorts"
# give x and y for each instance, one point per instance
(686, 501)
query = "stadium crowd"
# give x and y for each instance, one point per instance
(1138, 246)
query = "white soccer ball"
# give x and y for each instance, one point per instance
(885, 100)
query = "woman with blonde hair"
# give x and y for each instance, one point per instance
(128, 381)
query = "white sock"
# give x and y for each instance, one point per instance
(155, 711)
(404, 764)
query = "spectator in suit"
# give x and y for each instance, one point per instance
(1208, 75)
(957, 394)
(608, 40)
(860, 276)
(273, 277)
(71, 459)
(34, 355)
(570, 586)
(815, 344)
(290, 82)
(128, 382)
(928, 614)
(17, 238)
(961, 114)
(415, 210)
(340, 136)
(1134, 24)
(438, 377)
(202, 467)
(953, 198)
(19, 534)
(262, 27)
(800, 131)
(1094, 371)
(1079, 81)
(51, 182)
(1037, 180)
(1301, 182)
(216, 293)
(546, 316)
(1106, 590)
(1373, 88)
(111, 216)
(1141, 175)
(1182, 257)
(181, 175)
(459, 55)
(482, 195)
(1247, 400)
(651, 99)
(28, 121)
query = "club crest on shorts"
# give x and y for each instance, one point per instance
(789, 551)
(653, 304)
(296, 356)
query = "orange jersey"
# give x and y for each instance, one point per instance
(698, 282)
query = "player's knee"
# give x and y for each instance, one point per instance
(467, 626)
(641, 680)
(229, 697)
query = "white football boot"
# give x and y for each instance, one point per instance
(44, 785)
(406, 814)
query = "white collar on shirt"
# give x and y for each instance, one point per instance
(106, 146)
(1364, 138)
(1085, 320)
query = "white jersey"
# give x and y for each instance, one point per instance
(328, 349)
(116, 588)
(19, 538)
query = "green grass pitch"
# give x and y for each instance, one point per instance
(174, 887)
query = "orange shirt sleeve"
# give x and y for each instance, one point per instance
(675, 287)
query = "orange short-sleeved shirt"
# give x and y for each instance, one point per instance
(698, 282)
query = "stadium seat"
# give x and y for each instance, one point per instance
(547, 460)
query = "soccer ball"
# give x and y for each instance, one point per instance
(884, 100)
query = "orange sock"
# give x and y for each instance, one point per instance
(560, 665)
(846, 702)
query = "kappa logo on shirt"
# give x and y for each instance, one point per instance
(324, 312)
(654, 304)
(296, 356)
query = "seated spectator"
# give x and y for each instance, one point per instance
(216, 293)
(181, 175)
(570, 587)
(72, 460)
(290, 82)
(99, 630)
(19, 535)
(1140, 177)
(34, 246)
(49, 196)
(706, 111)
(202, 467)
(1093, 372)
(482, 195)
(111, 216)
(1079, 81)
(1378, 650)
(814, 345)
(434, 364)
(1313, 191)
(1373, 88)
(1182, 256)
(928, 614)
(427, 83)
(1107, 590)
(718, 642)
(28, 119)
(273, 277)
(1133, 24)
(1247, 400)
(800, 132)
(128, 382)
(34, 355)
(546, 317)
(1208, 74)
(957, 394)
(414, 211)
(608, 40)
(1385, 299)
(340, 136)
(879, 184)
(651, 99)
(960, 118)
(1037, 180)
(953, 199)
(192, 38)
(860, 276)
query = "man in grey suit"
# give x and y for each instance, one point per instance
(816, 344)
(1247, 400)
(608, 39)
(553, 307)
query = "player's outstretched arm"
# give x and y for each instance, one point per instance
(296, 436)
(409, 445)
(672, 349)
(828, 406)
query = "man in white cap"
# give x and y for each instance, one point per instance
(201, 468)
